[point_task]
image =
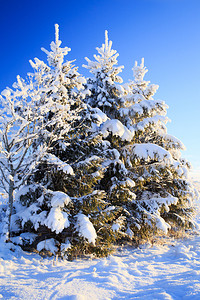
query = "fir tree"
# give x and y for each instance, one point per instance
(105, 85)
(62, 203)
(108, 94)
(140, 151)
(164, 194)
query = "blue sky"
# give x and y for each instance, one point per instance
(165, 32)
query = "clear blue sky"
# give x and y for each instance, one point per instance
(165, 32)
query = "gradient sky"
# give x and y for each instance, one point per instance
(165, 32)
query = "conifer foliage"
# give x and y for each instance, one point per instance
(60, 203)
(105, 85)
(149, 179)
(90, 161)
(163, 191)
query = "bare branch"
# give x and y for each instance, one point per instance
(3, 175)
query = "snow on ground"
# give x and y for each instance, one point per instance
(167, 271)
(170, 271)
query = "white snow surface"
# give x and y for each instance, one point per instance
(48, 245)
(57, 220)
(59, 199)
(86, 228)
(61, 165)
(170, 271)
(149, 151)
(165, 271)
(117, 129)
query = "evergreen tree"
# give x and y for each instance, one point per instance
(139, 151)
(164, 194)
(108, 94)
(62, 204)
(105, 87)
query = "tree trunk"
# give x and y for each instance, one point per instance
(10, 207)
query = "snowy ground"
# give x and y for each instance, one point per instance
(171, 271)
(167, 271)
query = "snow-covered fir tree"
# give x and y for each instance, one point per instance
(145, 174)
(62, 205)
(105, 85)
(108, 94)
(164, 193)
